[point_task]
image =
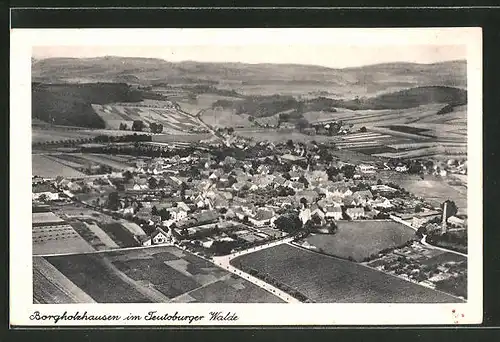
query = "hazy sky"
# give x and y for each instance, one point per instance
(335, 56)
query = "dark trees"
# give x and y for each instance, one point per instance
(138, 125)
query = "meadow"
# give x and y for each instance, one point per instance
(326, 279)
(360, 239)
(46, 167)
(435, 190)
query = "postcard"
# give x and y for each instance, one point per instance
(246, 177)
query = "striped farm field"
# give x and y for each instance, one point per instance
(146, 275)
(326, 279)
(169, 117)
(53, 235)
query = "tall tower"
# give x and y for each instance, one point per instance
(443, 223)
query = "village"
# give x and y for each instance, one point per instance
(216, 204)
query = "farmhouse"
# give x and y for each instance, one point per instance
(315, 210)
(158, 237)
(262, 217)
(367, 169)
(177, 213)
(382, 188)
(355, 213)
(381, 202)
(206, 217)
(334, 212)
(362, 197)
(305, 215)
(46, 191)
(291, 158)
(456, 220)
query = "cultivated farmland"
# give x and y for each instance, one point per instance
(173, 120)
(51, 235)
(325, 279)
(360, 239)
(158, 274)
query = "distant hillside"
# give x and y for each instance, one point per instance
(149, 71)
(409, 98)
(265, 106)
(70, 104)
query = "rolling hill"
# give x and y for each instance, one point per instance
(70, 104)
(151, 71)
(65, 88)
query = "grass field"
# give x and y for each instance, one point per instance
(161, 274)
(47, 135)
(51, 287)
(432, 189)
(229, 289)
(360, 239)
(119, 234)
(103, 159)
(224, 118)
(61, 133)
(188, 138)
(46, 167)
(326, 279)
(98, 279)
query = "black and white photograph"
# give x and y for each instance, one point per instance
(228, 167)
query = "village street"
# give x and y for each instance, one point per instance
(224, 262)
(426, 244)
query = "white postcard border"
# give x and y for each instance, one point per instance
(21, 306)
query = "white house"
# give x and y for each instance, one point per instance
(355, 213)
(381, 202)
(305, 215)
(334, 212)
(262, 217)
(368, 169)
(183, 206)
(49, 196)
(401, 168)
(160, 237)
(456, 220)
(177, 214)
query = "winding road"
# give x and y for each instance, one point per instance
(225, 263)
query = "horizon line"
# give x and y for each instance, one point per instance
(250, 63)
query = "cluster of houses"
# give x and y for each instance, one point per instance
(180, 194)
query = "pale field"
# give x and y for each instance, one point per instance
(433, 189)
(45, 218)
(94, 228)
(61, 239)
(46, 135)
(224, 118)
(45, 167)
